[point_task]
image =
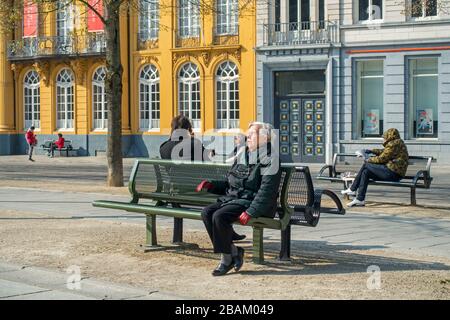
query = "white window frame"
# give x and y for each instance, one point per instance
(189, 78)
(65, 90)
(227, 17)
(31, 83)
(99, 100)
(188, 11)
(64, 26)
(149, 78)
(149, 20)
(359, 108)
(370, 19)
(411, 108)
(424, 17)
(64, 19)
(229, 75)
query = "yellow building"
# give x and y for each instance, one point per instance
(176, 56)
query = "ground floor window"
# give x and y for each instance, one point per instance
(227, 96)
(189, 93)
(99, 99)
(423, 97)
(65, 100)
(149, 108)
(369, 97)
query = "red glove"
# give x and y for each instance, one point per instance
(244, 218)
(204, 185)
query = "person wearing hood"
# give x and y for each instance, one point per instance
(249, 191)
(388, 164)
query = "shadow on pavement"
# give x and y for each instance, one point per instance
(313, 258)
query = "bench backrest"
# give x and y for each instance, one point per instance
(300, 195)
(349, 162)
(47, 144)
(152, 177)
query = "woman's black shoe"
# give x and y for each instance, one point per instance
(222, 269)
(238, 237)
(239, 259)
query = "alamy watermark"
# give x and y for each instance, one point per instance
(374, 280)
(73, 281)
(216, 148)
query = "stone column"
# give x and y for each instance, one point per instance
(6, 88)
(314, 11)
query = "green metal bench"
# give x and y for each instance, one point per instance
(418, 175)
(47, 146)
(164, 187)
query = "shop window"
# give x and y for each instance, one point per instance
(423, 97)
(369, 97)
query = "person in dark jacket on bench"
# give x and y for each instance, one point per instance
(182, 139)
(182, 144)
(388, 164)
(250, 191)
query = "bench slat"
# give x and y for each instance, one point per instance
(178, 213)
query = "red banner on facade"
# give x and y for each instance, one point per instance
(94, 22)
(30, 19)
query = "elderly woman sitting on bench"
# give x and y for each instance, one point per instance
(250, 191)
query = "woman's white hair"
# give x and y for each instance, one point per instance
(261, 125)
(266, 127)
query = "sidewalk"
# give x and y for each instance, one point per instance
(422, 235)
(89, 174)
(30, 283)
(47, 223)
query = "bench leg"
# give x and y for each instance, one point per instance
(285, 251)
(346, 196)
(413, 197)
(177, 230)
(258, 248)
(151, 231)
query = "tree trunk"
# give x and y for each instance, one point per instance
(113, 84)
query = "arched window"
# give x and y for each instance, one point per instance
(100, 110)
(149, 98)
(64, 99)
(227, 96)
(189, 93)
(32, 100)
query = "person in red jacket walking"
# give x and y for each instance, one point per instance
(57, 144)
(32, 142)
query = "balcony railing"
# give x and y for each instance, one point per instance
(188, 37)
(94, 43)
(311, 32)
(226, 35)
(147, 40)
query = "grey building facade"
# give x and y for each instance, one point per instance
(333, 75)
